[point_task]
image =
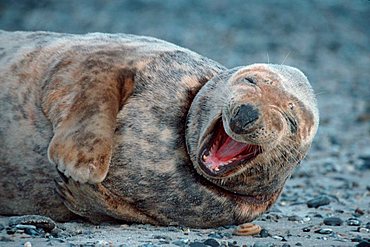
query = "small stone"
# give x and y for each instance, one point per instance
(368, 225)
(39, 221)
(143, 245)
(333, 221)
(162, 237)
(366, 163)
(181, 242)
(363, 230)
(306, 229)
(317, 215)
(10, 231)
(31, 232)
(20, 226)
(264, 233)
(353, 222)
(298, 244)
(359, 212)
(324, 231)
(261, 244)
(273, 217)
(2, 227)
(318, 201)
(212, 242)
(357, 239)
(285, 245)
(294, 218)
(5, 239)
(363, 243)
(27, 244)
(215, 235)
(277, 237)
(232, 244)
(197, 244)
(306, 219)
(247, 229)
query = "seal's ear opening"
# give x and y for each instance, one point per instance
(83, 114)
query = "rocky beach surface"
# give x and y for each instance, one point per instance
(326, 202)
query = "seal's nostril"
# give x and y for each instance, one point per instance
(243, 118)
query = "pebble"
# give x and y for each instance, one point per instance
(368, 225)
(294, 218)
(273, 217)
(5, 239)
(162, 237)
(357, 239)
(363, 244)
(20, 226)
(264, 233)
(31, 232)
(38, 221)
(318, 201)
(280, 238)
(212, 242)
(359, 212)
(333, 221)
(197, 244)
(2, 227)
(143, 245)
(324, 231)
(306, 229)
(247, 229)
(181, 242)
(261, 244)
(366, 163)
(353, 222)
(232, 244)
(27, 244)
(10, 231)
(285, 245)
(215, 235)
(363, 230)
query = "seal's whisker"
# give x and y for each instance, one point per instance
(285, 58)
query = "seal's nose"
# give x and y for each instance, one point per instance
(243, 118)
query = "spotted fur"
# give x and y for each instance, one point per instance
(122, 117)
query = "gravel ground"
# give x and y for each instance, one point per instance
(328, 40)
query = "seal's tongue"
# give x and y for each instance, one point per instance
(225, 151)
(230, 149)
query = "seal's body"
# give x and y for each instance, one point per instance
(144, 131)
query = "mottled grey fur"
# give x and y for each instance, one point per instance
(88, 102)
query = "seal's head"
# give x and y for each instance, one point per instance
(249, 127)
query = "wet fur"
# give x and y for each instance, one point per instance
(86, 103)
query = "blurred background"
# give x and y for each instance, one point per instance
(328, 40)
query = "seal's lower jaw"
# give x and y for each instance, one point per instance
(221, 156)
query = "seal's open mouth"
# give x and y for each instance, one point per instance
(222, 154)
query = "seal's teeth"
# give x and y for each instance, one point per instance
(204, 157)
(217, 169)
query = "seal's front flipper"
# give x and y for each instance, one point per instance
(96, 203)
(82, 103)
